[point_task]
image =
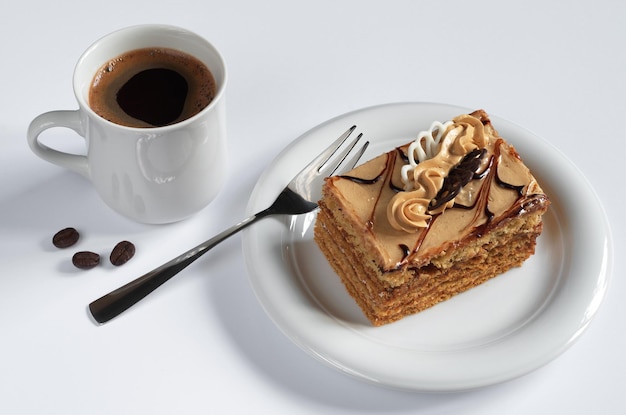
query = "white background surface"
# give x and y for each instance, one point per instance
(202, 344)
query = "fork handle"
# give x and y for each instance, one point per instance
(116, 302)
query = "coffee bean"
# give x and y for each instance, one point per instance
(65, 238)
(85, 259)
(122, 252)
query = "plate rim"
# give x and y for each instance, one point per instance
(259, 198)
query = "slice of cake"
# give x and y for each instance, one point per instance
(430, 219)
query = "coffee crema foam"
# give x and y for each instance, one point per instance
(151, 87)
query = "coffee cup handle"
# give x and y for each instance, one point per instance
(67, 119)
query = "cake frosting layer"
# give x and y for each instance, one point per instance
(476, 182)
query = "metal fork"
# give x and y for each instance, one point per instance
(296, 198)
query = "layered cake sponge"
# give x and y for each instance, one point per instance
(430, 219)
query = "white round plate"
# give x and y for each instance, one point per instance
(500, 330)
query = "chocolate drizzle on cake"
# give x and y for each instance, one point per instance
(459, 176)
(403, 155)
(385, 175)
(406, 251)
(519, 189)
(362, 181)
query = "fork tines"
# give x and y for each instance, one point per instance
(332, 166)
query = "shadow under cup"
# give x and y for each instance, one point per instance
(161, 174)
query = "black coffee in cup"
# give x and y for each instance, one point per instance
(151, 87)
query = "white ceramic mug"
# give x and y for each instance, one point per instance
(151, 175)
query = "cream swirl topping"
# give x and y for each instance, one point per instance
(431, 157)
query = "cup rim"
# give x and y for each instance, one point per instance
(84, 104)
